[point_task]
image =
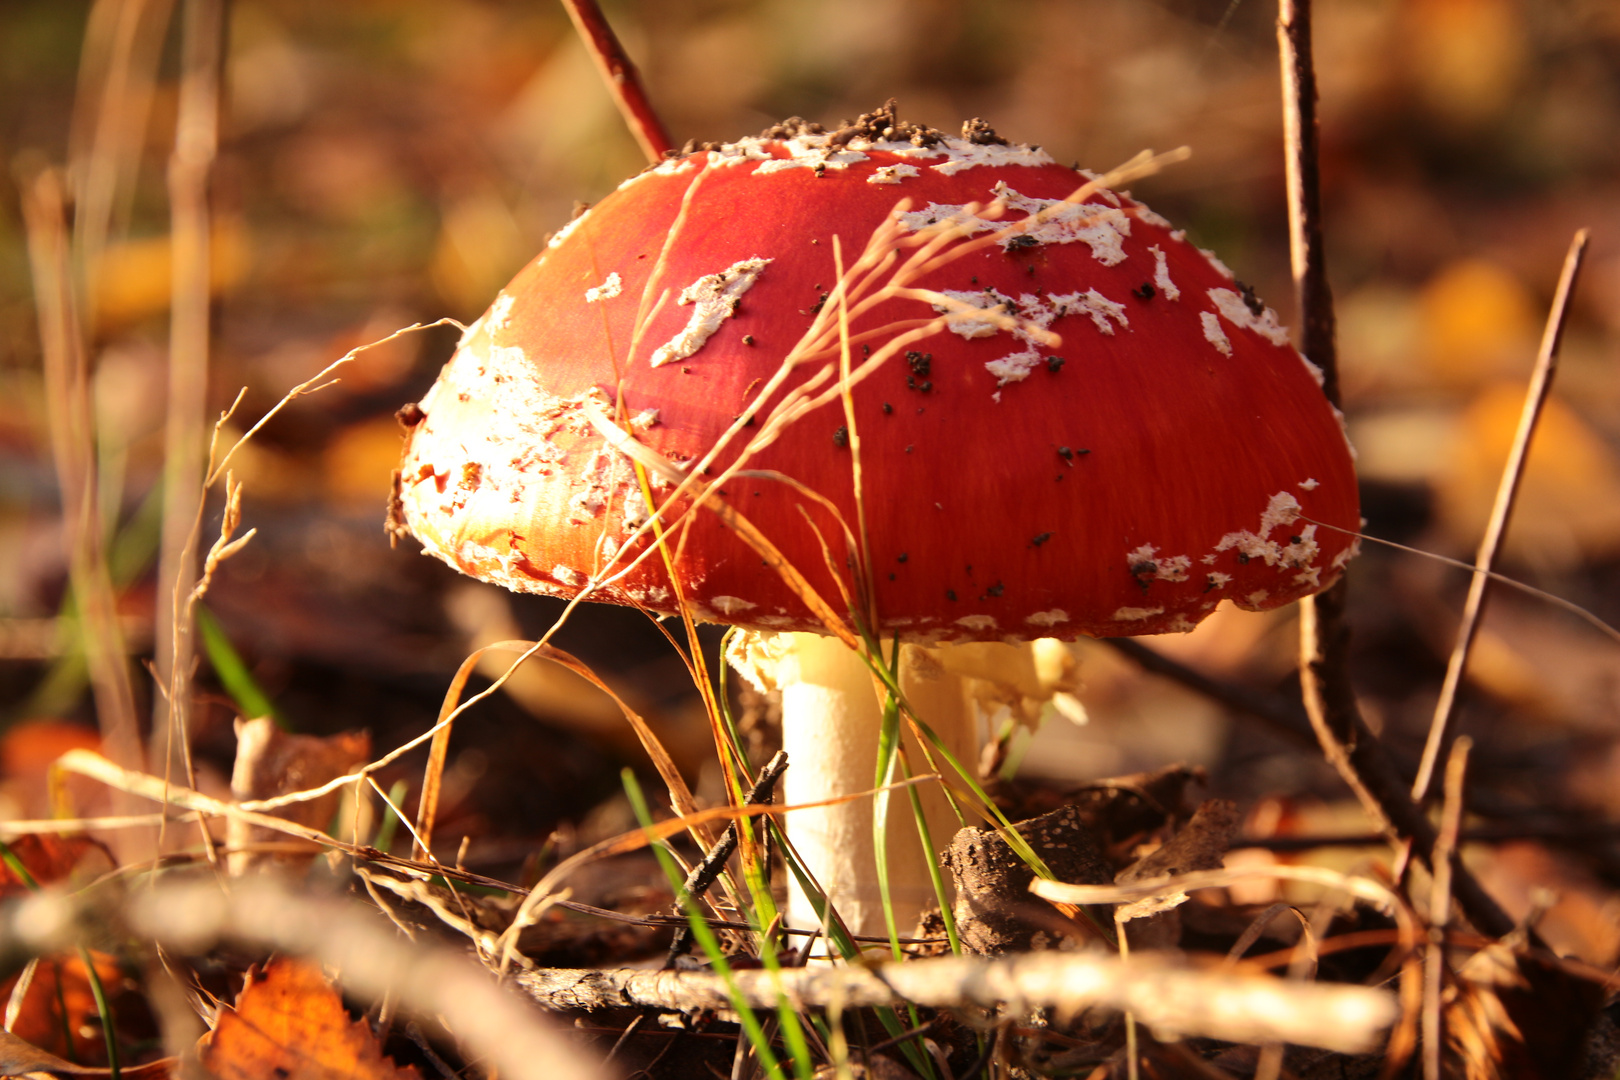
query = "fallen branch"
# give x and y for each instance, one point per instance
(1175, 1000)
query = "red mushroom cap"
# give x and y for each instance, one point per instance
(1163, 457)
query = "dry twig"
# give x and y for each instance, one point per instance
(1434, 958)
(622, 78)
(1330, 699)
(1173, 999)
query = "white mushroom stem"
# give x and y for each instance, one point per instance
(832, 715)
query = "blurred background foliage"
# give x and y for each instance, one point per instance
(387, 161)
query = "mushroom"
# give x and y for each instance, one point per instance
(1068, 421)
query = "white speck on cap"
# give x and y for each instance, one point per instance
(1142, 213)
(1214, 334)
(892, 174)
(610, 288)
(1099, 307)
(1161, 275)
(569, 576)
(1047, 618)
(1213, 260)
(1014, 367)
(977, 623)
(1102, 228)
(714, 295)
(1282, 509)
(731, 605)
(804, 152)
(500, 313)
(1237, 312)
(566, 231)
(1136, 614)
(963, 324)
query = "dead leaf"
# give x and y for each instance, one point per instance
(290, 1023)
(26, 752)
(21, 1058)
(1201, 844)
(1569, 504)
(60, 1006)
(133, 276)
(1477, 322)
(48, 858)
(1517, 1016)
(271, 762)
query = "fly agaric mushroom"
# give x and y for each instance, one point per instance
(1068, 422)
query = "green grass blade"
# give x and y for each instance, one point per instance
(233, 671)
(704, 935)
(390, 822)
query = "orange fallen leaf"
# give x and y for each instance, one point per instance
(290, 1023)
(58, 1013)
(47, 858)
(1569, 505)
(27, 750)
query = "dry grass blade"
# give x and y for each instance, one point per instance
(67, 392)
(1570, 606)
(1535, 400)
(123, 43)
(157, 789)
(195, 144)
(680, 794)
(545, 890)
(24, 827)
(1361, 888)
(315, 383)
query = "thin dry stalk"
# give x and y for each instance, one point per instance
(68, 404)
(123, 42)
(185, 431)
(24, 826)
(1507, 491)
(1570, 606)
(1434, 959)
(622, 78)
